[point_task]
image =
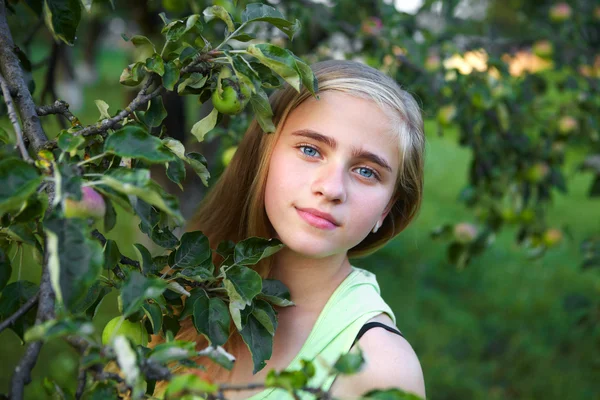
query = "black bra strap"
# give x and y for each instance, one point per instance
(370, 325)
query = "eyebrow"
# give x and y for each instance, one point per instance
(329, 141)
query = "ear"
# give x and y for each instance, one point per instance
(386, 211)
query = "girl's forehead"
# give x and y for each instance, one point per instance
(345, 116)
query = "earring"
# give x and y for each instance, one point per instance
(377, 226)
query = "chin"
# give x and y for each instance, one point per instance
(310, 247)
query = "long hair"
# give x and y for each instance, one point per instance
(234, 209)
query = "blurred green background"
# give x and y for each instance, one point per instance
(503, 327)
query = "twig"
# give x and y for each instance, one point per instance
(13, 74)
(141, 99)
(22, 375)
(81, 379)
(59, 107)
(21, 311)
(123, 260)
(12, 114)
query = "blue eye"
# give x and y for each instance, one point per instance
(309, 151)
(369, 172)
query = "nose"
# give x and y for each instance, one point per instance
(330, 183)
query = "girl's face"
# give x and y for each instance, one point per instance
(334, 156)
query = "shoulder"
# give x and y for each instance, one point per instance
(390, 362)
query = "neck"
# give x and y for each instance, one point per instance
(310, 281)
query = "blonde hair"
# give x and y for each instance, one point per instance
(234, 209)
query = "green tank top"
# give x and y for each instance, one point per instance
(355, 301)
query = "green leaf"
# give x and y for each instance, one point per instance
(133, 75)
(18, 181)
(53, 329)
(161, 236)
(194, 250)
(5, 269)
(112, 255)
(276, 292)
(284, 63)
(176, 171)
(211, 318)
(242, 285)
(154, 115)
(250, 251)
(133, 141)
(349, 363)
(265, 314)
(201, 273)
(103, 108)
(110, 217)
(138, 288)
(102, 390)
(62, 18)
(213, 12)
(137, 182)
(6, 137)
(128, 363)
(171, 75)
(176, 29)
(91, 299)
(154, 314)
(259, 342)
(219, 356)
(189, 382)
(146, 260)
(262, 110)
(172, 351)
(188, 307)
(155, 64)
(34, 207)
(195, 81)
(205, 125)
(198, 163)
(263, 12)
(69, 143)
(75, 261)
(288, 380)
(142, 41)
(175, 146)
(13, 297)
(244, 37)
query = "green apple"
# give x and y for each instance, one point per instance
(537, 172)
(543, 49)
(228, 155)
(446, 114)
(234, 98)
(132, 330)
(552, 237)
(567, 125)
(560, 12)
(465, 233)
(433, 63)
(91, 205)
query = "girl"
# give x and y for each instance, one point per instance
(340, 177)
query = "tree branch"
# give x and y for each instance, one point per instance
(21, 311)
(142, 98)
(22, 375)
(81, 379)
(59, 107)
(12, 72)
(12, 114)
(124, 260)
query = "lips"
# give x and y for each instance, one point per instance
(318, 218)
